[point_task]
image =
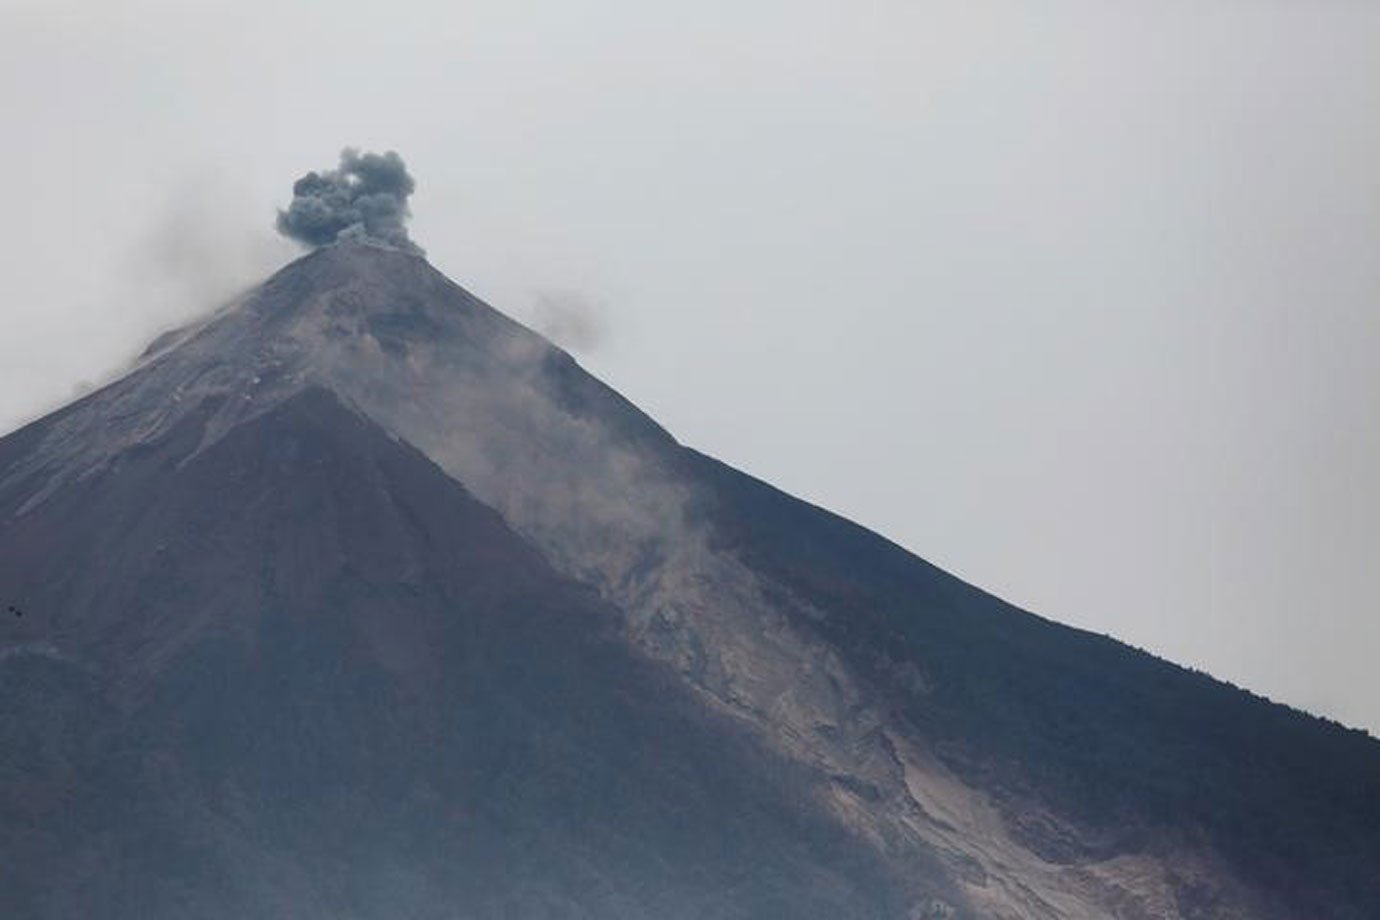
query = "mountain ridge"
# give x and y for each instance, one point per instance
(231, 734)
(972, 759)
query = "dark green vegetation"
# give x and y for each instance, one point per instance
(1138, 748)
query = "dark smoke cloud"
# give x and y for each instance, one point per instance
(365, 198)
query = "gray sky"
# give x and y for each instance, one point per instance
(1079, 300)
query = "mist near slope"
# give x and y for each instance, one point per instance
(193, 246)
(569, 318)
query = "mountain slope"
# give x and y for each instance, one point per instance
(1134, 749)
(266, 559)
(305, 672)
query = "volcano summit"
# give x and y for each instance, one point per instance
(359, 600)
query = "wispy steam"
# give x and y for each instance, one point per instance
(569, 319)
(365, 198)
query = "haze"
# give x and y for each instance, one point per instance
(1077, 300)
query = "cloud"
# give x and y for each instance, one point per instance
(569, 319)
(364, 198)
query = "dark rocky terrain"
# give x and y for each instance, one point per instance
(358, 600)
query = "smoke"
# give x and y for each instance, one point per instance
(198, 248)
(365, 198)
(569, 319)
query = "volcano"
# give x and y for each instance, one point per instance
(358, 600)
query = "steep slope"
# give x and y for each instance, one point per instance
(1129, 753)
(301, 673)
(946, 754)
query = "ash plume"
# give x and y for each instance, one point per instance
(364, 198)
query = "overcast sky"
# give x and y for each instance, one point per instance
(1079, 300)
